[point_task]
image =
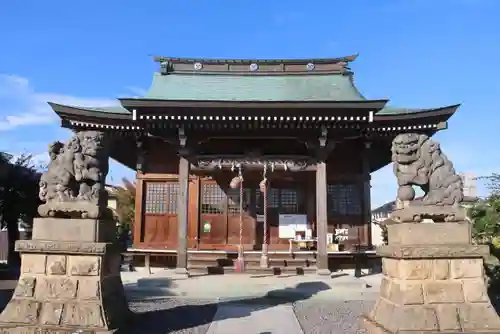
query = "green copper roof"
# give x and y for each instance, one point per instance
(203, 87)
(390, 110)
(111, 110)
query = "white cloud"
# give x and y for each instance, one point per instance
(22, 105)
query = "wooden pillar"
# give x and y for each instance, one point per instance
(367, 207)
(182, 216)
(321, 219)
(138, 235)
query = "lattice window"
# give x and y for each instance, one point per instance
(161, 197)
(155, 197)
(213, 199)
(233, 200)
(344, 199)
(273, 199)
(289, 201)
(172, 190)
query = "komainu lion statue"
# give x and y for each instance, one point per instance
(418, 161)
(74, 183)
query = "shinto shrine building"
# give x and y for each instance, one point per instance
(274, 156)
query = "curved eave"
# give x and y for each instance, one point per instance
(401, 114)
(214, 61)
(123, 148)
(82, 113)
(382, 146)
(374, 105)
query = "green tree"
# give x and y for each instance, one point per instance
(485, 216)
(125, 198)
(485, 213)
(18, 198)
(125, 208)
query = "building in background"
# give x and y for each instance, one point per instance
(470, 184)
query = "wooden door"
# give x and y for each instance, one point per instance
(213, 218)
(160, 214)
(219, 223)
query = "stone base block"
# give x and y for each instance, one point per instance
(419, 213)
(432, 295)
(433, 251)
(79, 230)
(388, 318)
(63, 292)
(429, 234)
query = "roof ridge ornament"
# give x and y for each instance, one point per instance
(197, 66)
(164, 67)
(268, 66)
(248, 61)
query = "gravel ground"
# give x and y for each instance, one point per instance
(176, 315)
(332, 317)
(171, 315)
(194, 316)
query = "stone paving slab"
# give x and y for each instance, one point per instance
(250, 286)
(255, 319)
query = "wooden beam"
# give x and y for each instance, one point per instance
(286, 163)
(211, 169)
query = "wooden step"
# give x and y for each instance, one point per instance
(224, 262)
(215, 270)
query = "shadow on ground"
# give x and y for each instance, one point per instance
(184, 317)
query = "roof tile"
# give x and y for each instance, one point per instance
(333, 87)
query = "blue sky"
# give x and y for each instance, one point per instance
(418, 53)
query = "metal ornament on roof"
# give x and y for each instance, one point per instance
(164, 67)
(310, 66)
(254, 67)
(198, 66)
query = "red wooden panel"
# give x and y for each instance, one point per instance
(193, 212)
(218, 229)
(160, 214)
(161, 229)
(233, 230)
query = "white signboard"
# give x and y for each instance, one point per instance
(289, 224)
(260, 218)
(341, 234)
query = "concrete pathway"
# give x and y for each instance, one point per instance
(253, 319)
(236, 286)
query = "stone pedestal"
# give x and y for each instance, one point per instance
(433, 282)
(69, 284)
